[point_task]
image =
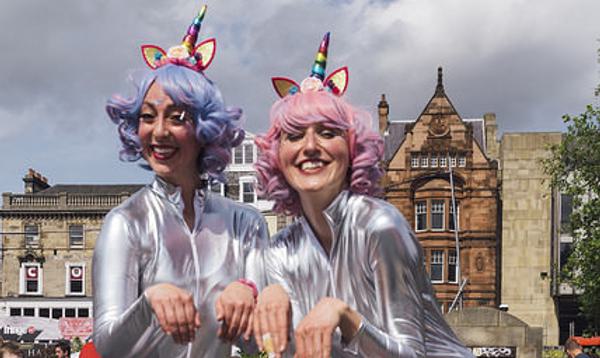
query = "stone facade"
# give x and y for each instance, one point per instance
(49, 235)
(529, 232)
(419, 156)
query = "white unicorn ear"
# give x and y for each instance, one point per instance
(152, 54)
(284, 86)
(337, 81)
(206, 49)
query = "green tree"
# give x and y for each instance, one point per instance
(574, 168)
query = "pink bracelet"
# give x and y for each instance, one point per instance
(249, 283)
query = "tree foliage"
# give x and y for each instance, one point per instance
(574, 168)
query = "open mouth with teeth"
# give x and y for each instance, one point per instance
(311, 166)
(162, 152)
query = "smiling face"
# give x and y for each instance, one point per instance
(167, 136)
(315, 161)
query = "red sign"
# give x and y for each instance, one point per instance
(31, 272)
(76, 327)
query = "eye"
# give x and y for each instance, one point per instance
(293, 137)
(328, 133)
(178, 117)
(147, 117)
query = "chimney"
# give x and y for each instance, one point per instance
(384, 111)
(491, 131)
(34, 182)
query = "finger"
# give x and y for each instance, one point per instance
(283, 324)
(258, 332)
(197, 320)
(274, 329)
(219, 310)
(250, 325)
(236, 316)
(171, 321)
(316, 348)
(327, 342)
(264, 324)
(300, 350)
(244, 320)
(161, 316)
(190, 313)
(182, 327)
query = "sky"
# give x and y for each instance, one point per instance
(528, 61)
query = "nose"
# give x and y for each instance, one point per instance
(161, 128)
(311, 145)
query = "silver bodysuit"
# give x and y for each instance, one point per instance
(376, 266)
(145, 241)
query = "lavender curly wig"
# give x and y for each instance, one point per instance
(293, 113)
(216, 127)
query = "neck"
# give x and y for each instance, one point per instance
(188, 185)
(313, 206)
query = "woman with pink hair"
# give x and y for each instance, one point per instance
(349, 268)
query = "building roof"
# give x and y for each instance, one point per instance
(396, 132)
(91, 189)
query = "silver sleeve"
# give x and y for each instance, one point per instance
(395, 258)
(121, 314)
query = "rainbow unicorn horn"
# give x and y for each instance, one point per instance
(318, 69)
(189, 41)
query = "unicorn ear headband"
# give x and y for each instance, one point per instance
(197, 58)
(336, 82)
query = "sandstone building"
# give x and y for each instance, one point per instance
(419, 157)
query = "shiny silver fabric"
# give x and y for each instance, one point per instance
(145, 241)
(376, 266)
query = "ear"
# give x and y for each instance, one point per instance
(284, 86)
(337, 81)
(152, 54)
(207, 50)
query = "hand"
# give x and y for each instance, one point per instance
(314, 333)
(175, 310)
(272, 316)
(234, 309)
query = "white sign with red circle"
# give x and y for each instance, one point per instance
(76, 273)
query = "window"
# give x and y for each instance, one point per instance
(421, 216)
(83, 312)
(69, 312)
(442, 161)
(462, 161)
(31, 279)
(75, 279)
(57, 313)
(437, 266)
(248, 153)
(434, 161)
(414, 161)
(452, 267)
(451, 216)
(247, 193)
(44, 312)
(29, 312)
(424, 161)
(32, 236)
(15, 312)
(238, 155)
(218, 188)
(76, 236)
(437, 215)
(453, 161)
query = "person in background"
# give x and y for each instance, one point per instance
(10, 349)
(574, 349)
(62, 349)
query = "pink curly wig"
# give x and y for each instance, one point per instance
(295, 112)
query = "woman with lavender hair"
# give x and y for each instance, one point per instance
(350, 264)
(175, 265)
